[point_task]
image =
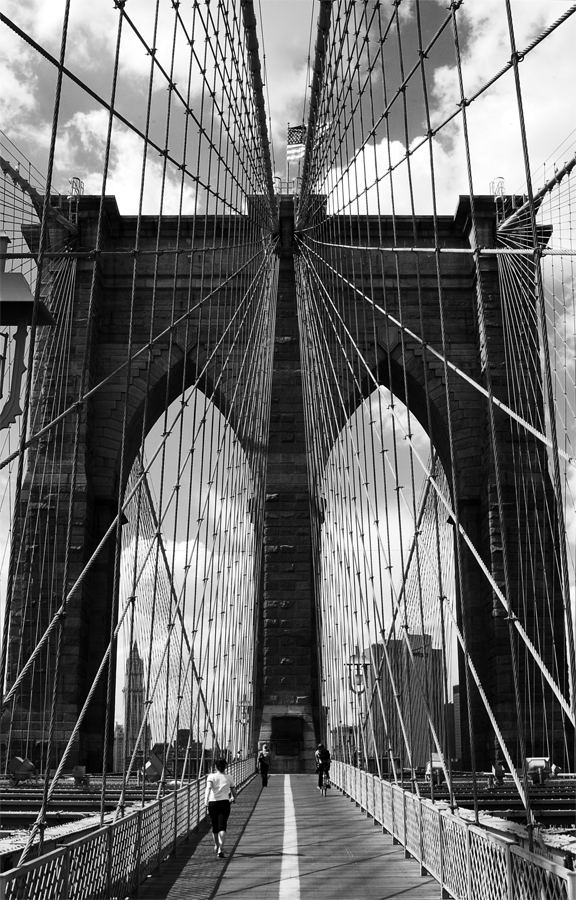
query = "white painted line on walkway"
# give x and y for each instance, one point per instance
(289, 873)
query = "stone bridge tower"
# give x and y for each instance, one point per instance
(288, 689)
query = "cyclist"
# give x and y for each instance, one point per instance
(322, 757)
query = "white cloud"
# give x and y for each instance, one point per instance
(493, 124)
(493, 118)
(19, 84)
(370, 189)
(82, 144)
(287, 97)
(92, 34)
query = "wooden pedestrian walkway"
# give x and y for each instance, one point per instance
(287, 842)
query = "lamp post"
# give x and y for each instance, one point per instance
(357, 669)
(243, 720)
(16, 309)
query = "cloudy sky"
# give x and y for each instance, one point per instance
(287, 30)
(289, 35)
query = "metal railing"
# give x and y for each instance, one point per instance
(111, 862)
(468, 862)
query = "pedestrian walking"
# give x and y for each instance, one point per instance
(264, 764)
(219, 788)
(323, 759)
(498, 771)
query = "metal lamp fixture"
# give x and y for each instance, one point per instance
(16, 309)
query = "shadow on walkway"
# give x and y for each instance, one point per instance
(334, 853)
(192, 872)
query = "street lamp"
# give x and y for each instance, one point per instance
(357, 669)
(243, 720)
(16, 309)
(357, 679)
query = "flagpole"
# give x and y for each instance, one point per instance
(294, 150)
(287, 162)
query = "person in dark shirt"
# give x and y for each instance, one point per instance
(264, 764)
(322, 757)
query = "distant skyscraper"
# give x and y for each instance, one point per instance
(118, 747)
(457, 723)
(417, 684)
(134, 707)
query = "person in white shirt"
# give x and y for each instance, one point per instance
(219, 787)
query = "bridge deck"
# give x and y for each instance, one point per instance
(287, 842)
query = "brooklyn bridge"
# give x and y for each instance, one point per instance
(287, 425)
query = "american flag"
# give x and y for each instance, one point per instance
(296, 138)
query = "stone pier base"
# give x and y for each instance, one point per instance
(288, 729)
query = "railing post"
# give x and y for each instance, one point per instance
(139, 851)
(175, 819)
(109, 860)
(423, 870)
(65, 875)
(382, 806)
(443, 892)
(138, 858)
(570, 886)
(160, 811)
(405, 828)
(509, 892)
(469, 894)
